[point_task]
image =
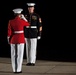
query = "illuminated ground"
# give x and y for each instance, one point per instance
(42, 67)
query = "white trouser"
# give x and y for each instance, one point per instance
(31, 45)
(17, 51)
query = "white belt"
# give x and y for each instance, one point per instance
(18, 31)
(31, 26)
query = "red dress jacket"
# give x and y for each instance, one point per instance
(14, 26)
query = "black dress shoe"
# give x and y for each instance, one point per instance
(33, 64)
(18, 72)
(30, 64)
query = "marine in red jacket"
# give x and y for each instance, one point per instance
(16, 40)
(16, 30)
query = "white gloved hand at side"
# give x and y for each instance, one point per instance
(38, 37)
(8, 39)
(22, 16)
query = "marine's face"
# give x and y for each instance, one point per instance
(31, 9)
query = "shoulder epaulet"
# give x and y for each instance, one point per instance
(36, 14)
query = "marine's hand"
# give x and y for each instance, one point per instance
(8, 39)
(22, 17)
(38, 37)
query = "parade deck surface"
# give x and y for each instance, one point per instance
(42, 67)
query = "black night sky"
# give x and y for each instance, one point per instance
(58, 36)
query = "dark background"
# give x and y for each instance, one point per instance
(58, 35)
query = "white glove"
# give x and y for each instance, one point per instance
(22, 16)
(8, 39)
(38, 37)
